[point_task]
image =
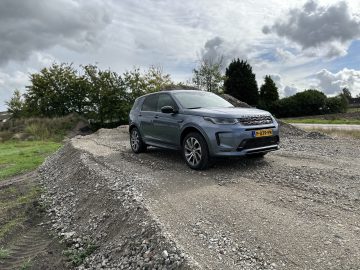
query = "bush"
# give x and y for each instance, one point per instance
(336, 104)
(308, 102)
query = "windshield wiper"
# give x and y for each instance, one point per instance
(194, 108)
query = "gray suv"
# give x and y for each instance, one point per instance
(202, 125)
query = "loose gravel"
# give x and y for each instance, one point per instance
(297, 208)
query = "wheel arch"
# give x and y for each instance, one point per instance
(190, 129)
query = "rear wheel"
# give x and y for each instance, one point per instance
(136, 142)
(195, 151)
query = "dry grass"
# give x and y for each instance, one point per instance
(38, 128)
(339, 133)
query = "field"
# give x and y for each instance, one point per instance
(18, 157)
(339, 121)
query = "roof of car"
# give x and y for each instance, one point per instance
(172, 91)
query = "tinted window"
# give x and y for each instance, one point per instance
(150, 103)
(165, 100)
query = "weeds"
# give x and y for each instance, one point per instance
(4, 253)
(77, 257)
(26, 265)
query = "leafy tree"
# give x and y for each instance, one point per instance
(268, 93)
(207, 76)
(50, 91)
(240, 82)
(15, 104)
(107, 94)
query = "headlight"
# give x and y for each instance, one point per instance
(221, 121)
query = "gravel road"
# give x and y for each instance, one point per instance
(297, 208)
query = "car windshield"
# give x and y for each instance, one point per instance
(201, 99)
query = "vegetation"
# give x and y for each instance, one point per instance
(4, 253)
(101, 95)
(77, 257)
(269, 94)
(352, 134)
(21, 156)
(208, 76)
(323, 121)
(308, 102)
(240, 82)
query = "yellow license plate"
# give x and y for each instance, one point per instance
(262, 133)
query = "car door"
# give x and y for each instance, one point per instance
(146, 117)
(167, 125)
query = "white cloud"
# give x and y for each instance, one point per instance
(333, 83)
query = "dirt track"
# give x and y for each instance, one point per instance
(298, 208)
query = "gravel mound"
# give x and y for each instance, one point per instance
(235, 102)
(102, 217)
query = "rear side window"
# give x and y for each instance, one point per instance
(165, 100)
(150, 103)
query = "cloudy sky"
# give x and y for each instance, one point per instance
(301, 44)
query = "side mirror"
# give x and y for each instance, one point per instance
(168, 109)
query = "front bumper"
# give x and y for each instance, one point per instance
(238, 140)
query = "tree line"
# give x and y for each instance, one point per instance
(240, 82)
(105, 96)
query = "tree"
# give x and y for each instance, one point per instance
(240, 82)
(107, 95)
(15, 104)
(336, 104)
(268, 93)
(207, 76)
(347, 94)
(51, 92)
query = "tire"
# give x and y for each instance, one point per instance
(195, 151)
(257, 155)
(136, 142)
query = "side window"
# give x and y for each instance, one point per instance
(165, 100)
(150, 103)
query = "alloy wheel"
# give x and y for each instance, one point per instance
(193, 153)
(135, 140)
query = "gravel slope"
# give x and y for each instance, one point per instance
(298, 208)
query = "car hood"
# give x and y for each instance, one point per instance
(233, 112)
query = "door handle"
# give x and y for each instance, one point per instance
(139, 114)
(156, 116)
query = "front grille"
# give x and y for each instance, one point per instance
(258, 142)
(256, 120)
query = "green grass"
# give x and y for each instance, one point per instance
(17, 157)
(4, 253)
(323, 121)
(352, 110)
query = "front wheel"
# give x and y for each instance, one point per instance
(136, 142)
(195, 151)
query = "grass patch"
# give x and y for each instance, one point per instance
(322, 121)
(352, 110)
(27, 198)
(17, 157)
(26, 265)
(4, 253)
(10, 226)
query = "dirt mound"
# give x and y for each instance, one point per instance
(235, 102)
(101, 215)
